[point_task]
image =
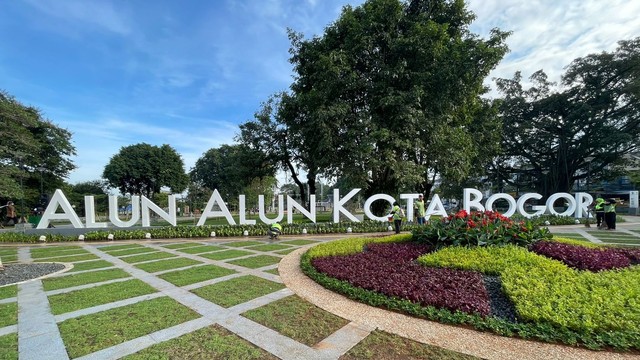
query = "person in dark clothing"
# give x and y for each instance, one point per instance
(610, 213)
(397, 214)
(599, 208)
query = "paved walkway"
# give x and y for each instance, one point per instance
(39, 338)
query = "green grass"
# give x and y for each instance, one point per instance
(269, 247)
(297, 319)
(195, 275)
(94, 332)
(83, 279)
(255, 262)
(45, 253)
(228, 254)
(9, 347)
(8, 314)
(123, 252)
(146, 257)
(8, 291)
(104, 294)
(285, 252)
(8, 251)
(8, 258)
(243, 243)
(182, 245)
(299, 242)
(382, 345)
(161, 265)
(622, 241)
(71, 258)
(273, 271)
(90, 265)
(200, 249)
(109, 248)
(236, 291)
(213, 342)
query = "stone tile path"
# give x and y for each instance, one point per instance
(39, 337)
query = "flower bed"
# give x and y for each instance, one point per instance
(582, 258)
(553, 302)
(389, 269)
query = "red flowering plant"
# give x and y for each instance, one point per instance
(479, 228)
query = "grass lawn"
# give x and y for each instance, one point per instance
(269, 247)
(132, 251)
(227, 254)
(243, 243)
(83, 279)
(94, 332)
(73, 258)
(146, 257)
(213, 342)
(195, 275)
(110, 248)
(236, 291)
(285, 252)
(255, 262)
(273, 271)
(9, 347)
(299, 242)
(161, 265)
(382, 345)
(104, 294)
(90, 265)
(45, 253)
(8, 314)
(8, 258)
(8, 291)
(297, 319)
(200, 249)
(182, 245)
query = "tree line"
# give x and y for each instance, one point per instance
(391, 98)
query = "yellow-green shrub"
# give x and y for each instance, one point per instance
(352, 245)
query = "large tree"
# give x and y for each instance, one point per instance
(34, 153)
(230, 169)
(388, 96)
(143, 169)
(580, 131)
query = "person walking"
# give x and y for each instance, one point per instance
(419, 210)
(397, 214)
(599, 209)
(610, 213)
(11, 213)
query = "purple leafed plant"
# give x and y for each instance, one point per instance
(582, 258)
(389, 269)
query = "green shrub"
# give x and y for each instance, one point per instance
(352, 245)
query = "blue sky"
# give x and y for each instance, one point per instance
(186, 73)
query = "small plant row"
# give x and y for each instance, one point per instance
(187, 231)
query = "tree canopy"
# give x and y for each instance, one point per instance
(231, 169)
(143, 169)
(34, 152)
(579, 131)
(389, 96)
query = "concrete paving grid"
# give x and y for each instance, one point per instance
(39, 337)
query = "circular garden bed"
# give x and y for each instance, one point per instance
(485, 271)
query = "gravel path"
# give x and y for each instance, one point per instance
(14, 273)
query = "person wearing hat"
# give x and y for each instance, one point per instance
(599, 208)
(418, 209)
(610, 213)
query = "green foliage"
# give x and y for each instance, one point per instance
(479, 229)
(231, 169)
(553, 129)
(547, 291)
(32, 149)
(352, 246)
(552, 300)
(143, 169)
